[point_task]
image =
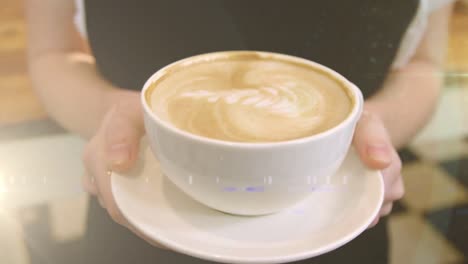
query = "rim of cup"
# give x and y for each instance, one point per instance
(353, 90)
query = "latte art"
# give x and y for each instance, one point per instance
(274, 100)
(250, 100)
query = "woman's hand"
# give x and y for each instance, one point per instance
(375, 149)
(114, 147)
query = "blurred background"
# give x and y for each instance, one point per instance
(43, 209)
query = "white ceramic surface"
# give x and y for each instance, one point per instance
(198, 165)
(334, 214)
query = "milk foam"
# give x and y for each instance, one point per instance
(251, 100)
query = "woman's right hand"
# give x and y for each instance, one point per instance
(114, 147)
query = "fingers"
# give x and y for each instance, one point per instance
(375, 149)
(94, 157)
(114, 147)
(106, 199)
(386, 209)
(374, 222)
(372, 141)
(394, 193)
(107, 202)
(397, 192)
(393, 180)
(394, 187)
(88, 184)
(122, 136)
(392, 173)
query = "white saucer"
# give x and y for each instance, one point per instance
(331, 217)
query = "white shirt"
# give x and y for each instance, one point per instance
(408, 45)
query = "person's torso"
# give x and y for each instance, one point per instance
(133, 39)
(359, 39)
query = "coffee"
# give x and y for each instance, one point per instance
(248, 98)
(257, 98)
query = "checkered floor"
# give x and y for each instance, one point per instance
(430, 224)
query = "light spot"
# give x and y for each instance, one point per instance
(190, 180)
(230, 189)
(255, 189)
(270, 180)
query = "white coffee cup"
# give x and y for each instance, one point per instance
(248, 178)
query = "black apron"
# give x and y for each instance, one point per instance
(133, 39)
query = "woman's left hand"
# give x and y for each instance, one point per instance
(375, 149)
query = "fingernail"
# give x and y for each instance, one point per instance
(379, 153)
(119, 154)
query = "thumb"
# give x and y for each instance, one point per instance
(123, 133)
(372, 141)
